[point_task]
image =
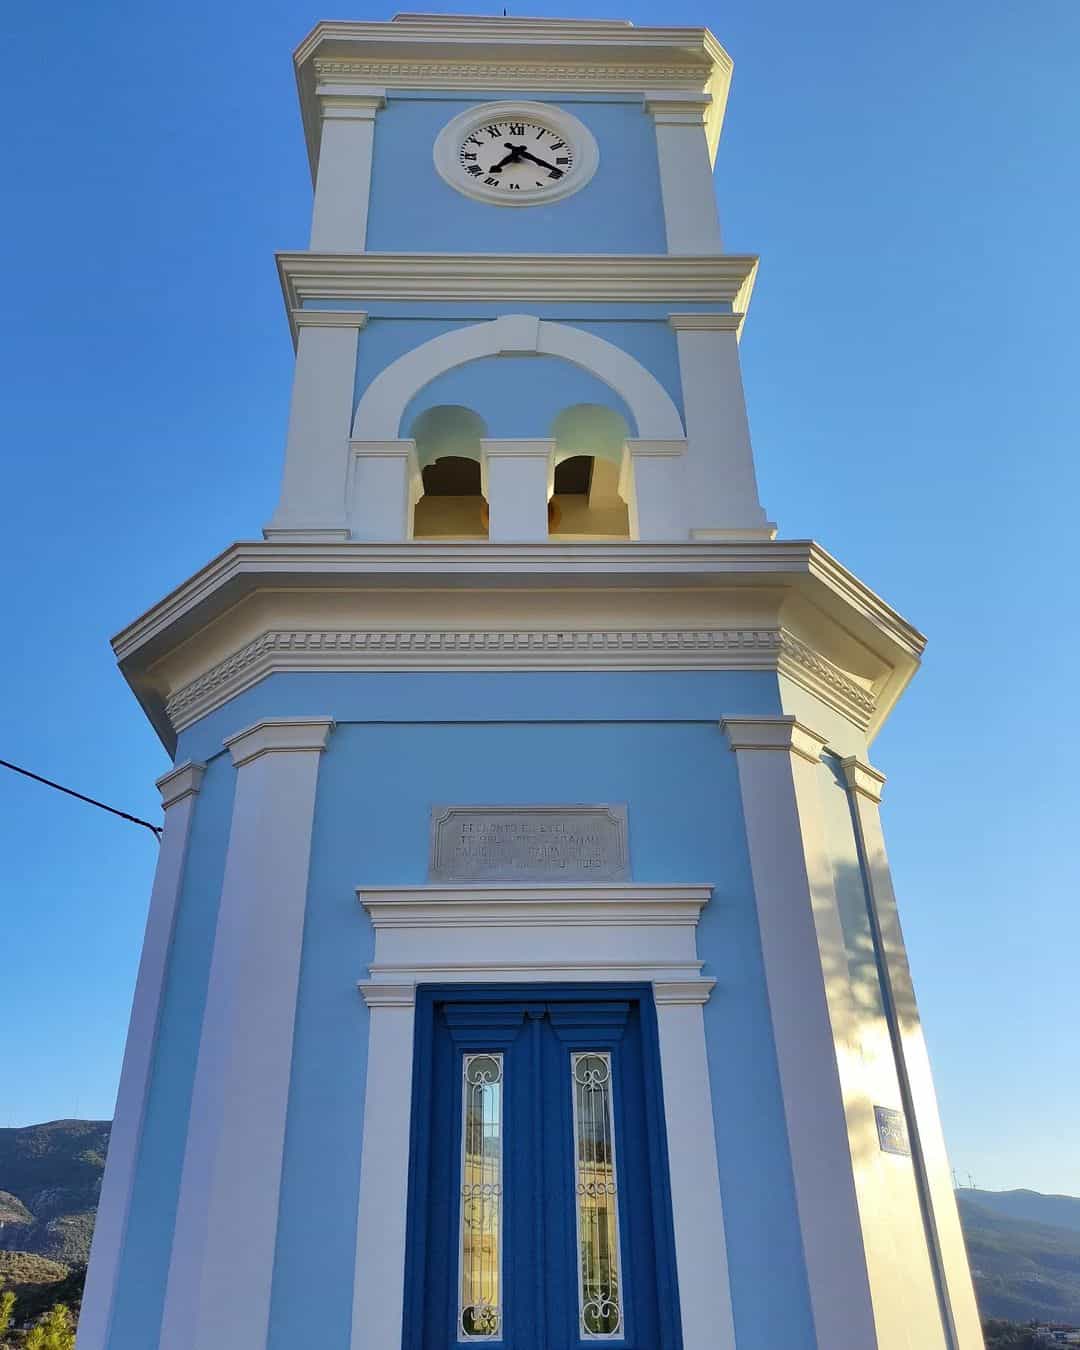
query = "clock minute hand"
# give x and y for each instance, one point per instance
(542, 162)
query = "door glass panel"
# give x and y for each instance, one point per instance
(481, 1242)
(599, 1301)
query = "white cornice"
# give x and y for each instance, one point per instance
(577, 904)
(280, 651)
(497, 278)
(450, 52)
(838, 625)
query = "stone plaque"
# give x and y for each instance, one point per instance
(892, 1131)
(529, 843)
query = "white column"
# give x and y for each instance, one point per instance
(312, 502)
(221, 1270)
(700, 1245)
(722, 485)
(519, 479)
(806, 970)
(691, 220)
(178, 790)
(379, 1286)
(654, 489)
(948, 1253)
(343, 181)
(384, 487)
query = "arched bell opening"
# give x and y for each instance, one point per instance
(586, 500)
(452, 504)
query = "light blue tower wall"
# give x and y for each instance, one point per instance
(414, 211)
(402, 743)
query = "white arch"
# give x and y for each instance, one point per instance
(380, 410)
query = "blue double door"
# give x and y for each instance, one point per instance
(539, 1211)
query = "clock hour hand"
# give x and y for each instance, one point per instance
(512, 158)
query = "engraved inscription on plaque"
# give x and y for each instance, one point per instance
(892, 1131)
(529, 843)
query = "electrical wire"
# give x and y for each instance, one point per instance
(155, 830)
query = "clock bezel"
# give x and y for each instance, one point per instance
(448, 143)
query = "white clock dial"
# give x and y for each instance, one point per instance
(516, 154)
(510, 155)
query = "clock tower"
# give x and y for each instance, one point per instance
(522, 964)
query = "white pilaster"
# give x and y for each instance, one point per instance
(343, 181)
(219, 1282)
(178, 790)
(379, 1286)
(656, 490)
(312, 502)
(691, 220)
(700, 1244)
(722, 486)
(804, 958)
(519, 477)
(948, 1253)
(384, 487)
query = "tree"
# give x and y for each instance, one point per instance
(55, 1331)
(7, 1308)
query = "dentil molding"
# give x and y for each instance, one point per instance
(279, 650)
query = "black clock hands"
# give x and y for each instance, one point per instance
(511, 158)
(556, 173)
(517, 154)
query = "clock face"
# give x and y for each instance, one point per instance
(516, 154)
(512, 157)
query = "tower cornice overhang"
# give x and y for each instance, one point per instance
(365, 278)
(265, 607)
(491, 53)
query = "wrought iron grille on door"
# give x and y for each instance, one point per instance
(539, 1215)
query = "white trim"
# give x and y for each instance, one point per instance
(382, 406)
(517, 278)
(179, 788)
(946, 1249)
(440, 52)
(691, 219)
(221, 1268)
(343, 180)
(505, 932)
(448, 143)
(518, 478)
(326, 318)
(276, 650)
(708, 323)
(320, 412)
(785, 734)
(276, 734)
(723, 491)
(801, 937)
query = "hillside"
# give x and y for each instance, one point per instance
(1060, 1211)
(1022, 1270)
(1024, 1246)
(50, 1179)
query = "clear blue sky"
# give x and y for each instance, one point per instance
(908, 173)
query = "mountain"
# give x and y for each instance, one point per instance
(50, 1180)
(1022, 1270)
(1060, 1211)
(1024, 1246)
